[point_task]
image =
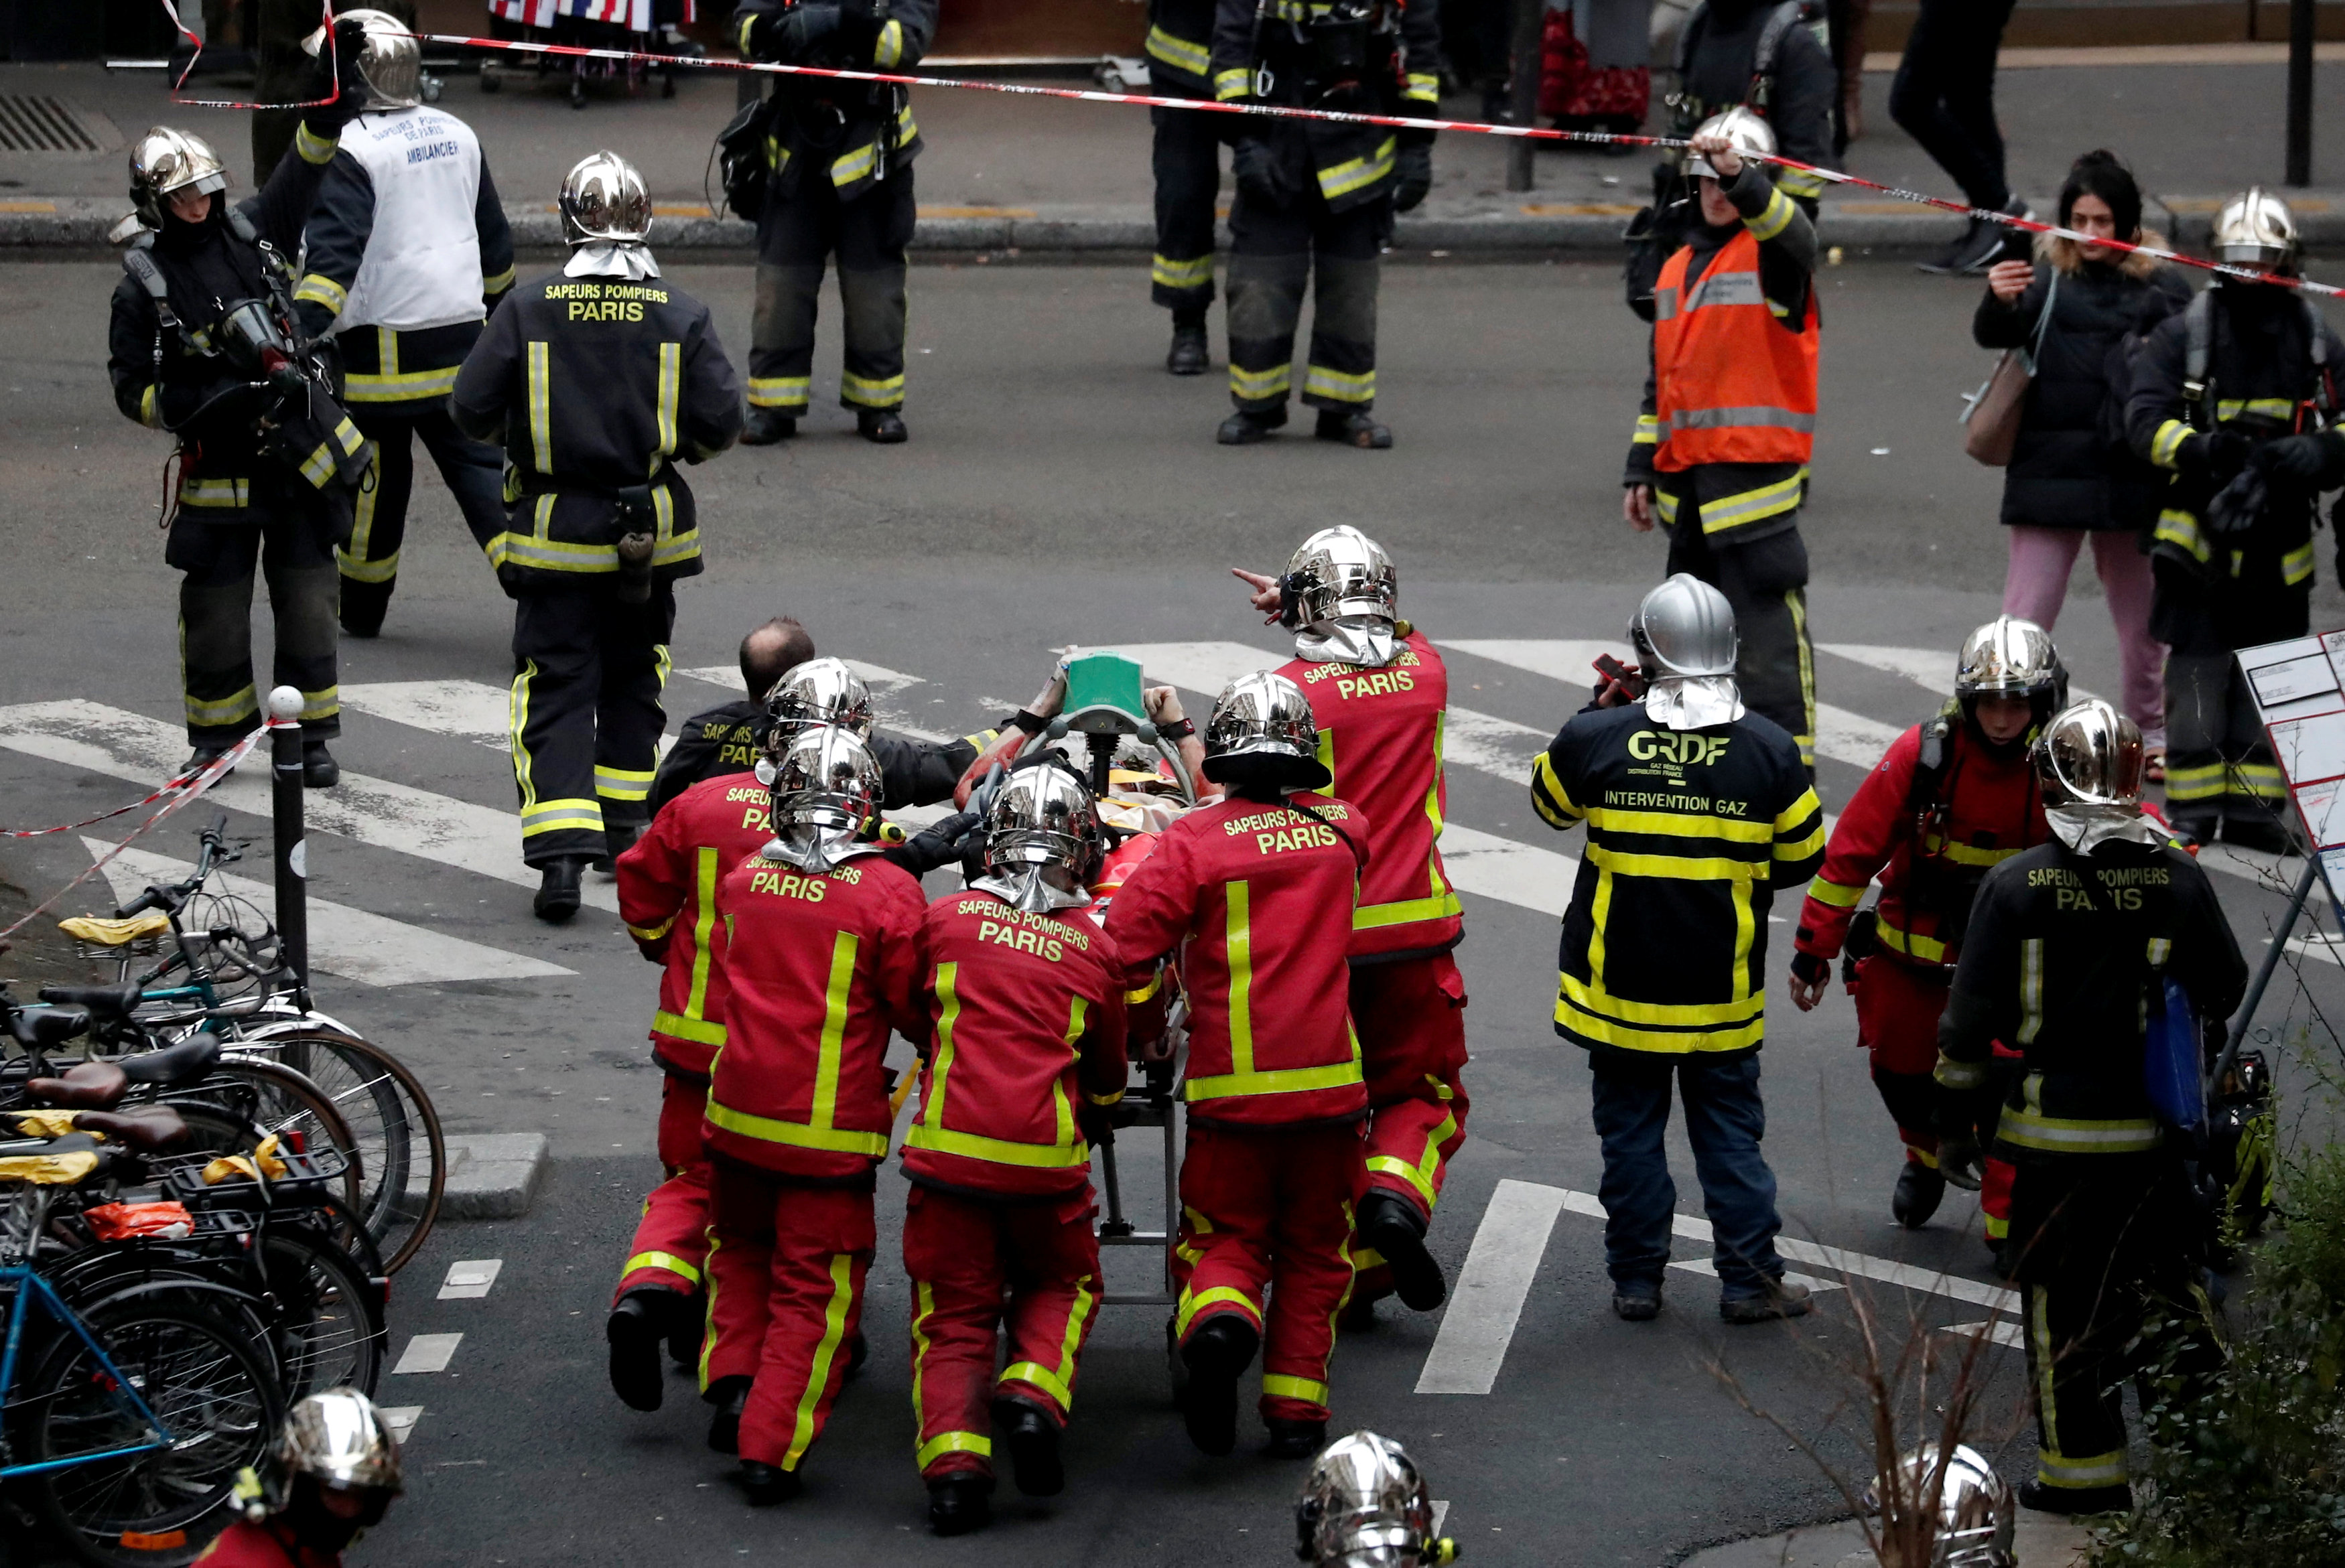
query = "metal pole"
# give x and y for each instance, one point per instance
(292, 853)
(1530, 18)
(2264, 973)
(2300, 92)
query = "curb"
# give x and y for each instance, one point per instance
(492, 1175)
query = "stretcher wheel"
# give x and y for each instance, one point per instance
(1176, 1371)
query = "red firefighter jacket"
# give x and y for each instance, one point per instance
(267, 1544)
(667, 897)
(1380, 736)
(1930, 853)
(1028, 1013)
(1257, 900)
(812, 973)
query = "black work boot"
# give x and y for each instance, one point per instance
(858, 1352)
(1215, 1354)
(557, 888)
(960, 1502)
(1780, 1297)
(1919, 1190)
(1243, 428)
(635, 1329)
(1296, 1439)
(318, 768)
(1032, 1438)
(1354, 428)
(618, 837)
(201, 758)
(881, 427)
(1190, 355)
(1391, 1224)
(766, 426)
(763, 1485)
(1637, 1300)
(731, 1397)
(363, 606)
(684, 1330)
(1359, 1313)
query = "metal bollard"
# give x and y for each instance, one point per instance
(292, 857)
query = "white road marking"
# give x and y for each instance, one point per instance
(427, 1353)
(1488, 1301)
(1512, 872)
(371, 949)
(1704, 1266)
(2320, 944)
(372, 811)
(2001, 1330)
(469, 710)
(470, 1279)
(1953, 1286)
(1440, 1515)
(401, 1420)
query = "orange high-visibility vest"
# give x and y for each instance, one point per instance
(1733, 383)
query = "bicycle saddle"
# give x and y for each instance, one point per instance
(44, 1027)
(105, 933)
(149, 1131)
(189, 1059)
(103, 1001)
(88, 1086)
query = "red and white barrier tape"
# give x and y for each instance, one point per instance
(175, 793)
(1338, 116)
(172, 10)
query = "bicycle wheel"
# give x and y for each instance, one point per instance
(392, 1120)
(273, 1098)
(215, 1395)
(329, 1331)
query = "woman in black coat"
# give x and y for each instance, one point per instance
(2072, 476)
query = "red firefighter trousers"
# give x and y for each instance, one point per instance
(787, 1263)
(671, 1242)
(978, 1269)
(1265, 1234)
(1898, 1006)
(1410, 1017)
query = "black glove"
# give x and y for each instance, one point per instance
(2240, 505)
(2302, 458)
(1810, 969)
(859, 21)
(1414, 168)
(1255, 163)
(338, 61)
(789, 37)
(1961, 1160)
(934, 846)
(2218, 454)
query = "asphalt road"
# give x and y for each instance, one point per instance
(1060, 488)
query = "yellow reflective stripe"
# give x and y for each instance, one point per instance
(2100, 1469)
(318, 466)
(1239, 935)
(1773, 219)
(1254, 385)
(1799, 182)
(1230, 1295)
(1115, 1098)
(232, 708)
(313, 147)
(779, 391)
(667, 1261)
(399, 386)
(1677, 824)
(1677, 867)
(219, 493)
(1041, 1377)
(1929, 949)
(2031, 1128)
(2261, 779)
(1178, 53)
(554, 815)
(1374, 917)
(796, 1135)
(317, 288)
(705, 872)
(1666, 503)
(1155, 984)
(1424, 85)
(1954, 1074)
(322, 704)
(946, 984)
(623, 783)
(2295, 566)
(1277, 1386)
(871, 392)
(2181, 528)
(1357, 174)
(2194, 783)
(1628, 1036)
(1964, 854)
(997, 1150)
(1648, 431)
(146, 415)
(540, 407)
(1800, 849)
(836, 994)
(2227, 408)
(2167, 442)
(1549, 799)
(1289, 1080)
(671, 383)
(891, 47)
(954, 1442)
(1167, 273)
(834, 1331)
(1590, 996)
(1834, 896)
(699, 1031)
(496, 282)
(2030, 990)
(1232, 83)
(652, 933)
(1753, 505)
(1338, 384)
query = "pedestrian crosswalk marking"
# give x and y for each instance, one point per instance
(400, 1420)
(1471, 1344)
(369, 948)
(468, 1279)
(468, 710)
(427, 1353)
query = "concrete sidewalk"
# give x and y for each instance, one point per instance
(1004, 174)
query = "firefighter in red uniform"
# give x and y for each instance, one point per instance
(1378, 692)
(331, 1474)
(1254, 893)
(816, 962)
(1025, 995)
(1953, 797)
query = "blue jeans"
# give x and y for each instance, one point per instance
(1724, 1122)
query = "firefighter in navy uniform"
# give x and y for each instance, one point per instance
(840, 183)
(2070, 949)
(1720, 453)
(597, 379)
(1186, 159)
(1316, 200)
(405, 255)
(268, 459)
(778, 659)
(1952, 798)
(1697, 811)
(2237, 397)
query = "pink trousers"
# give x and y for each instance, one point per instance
(2041, 560)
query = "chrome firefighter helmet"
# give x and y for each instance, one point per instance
(336, 1439)
(1261, 724)
(604, 201)
(391, 62)
(1364, 1505)
(1684, 628)
(1741, 125)
(2254, 229)
(1975, 1514)
(817, 692)
(2008, 657)
(825, 796)
(1338, 571)
(166, 162)
(1042, 839)
(2090, 755)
